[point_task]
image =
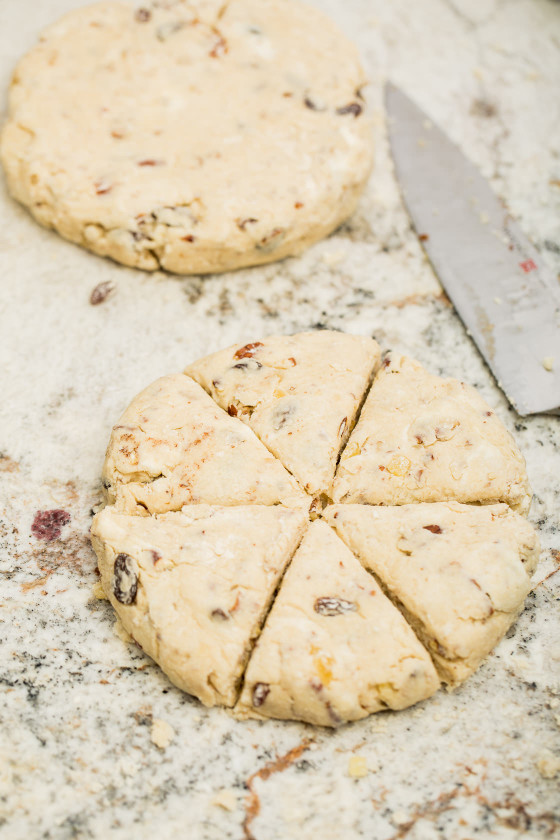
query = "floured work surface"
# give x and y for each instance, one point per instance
(206, 552)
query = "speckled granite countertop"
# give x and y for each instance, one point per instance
(78, 752)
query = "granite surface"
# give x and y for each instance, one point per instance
(95, 742)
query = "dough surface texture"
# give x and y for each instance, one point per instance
(233, 549)
(334, 648)
(460, 572)
(422, 438)
(192, 136)
(300, 394)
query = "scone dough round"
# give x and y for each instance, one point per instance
(192, 136)
(226, 559)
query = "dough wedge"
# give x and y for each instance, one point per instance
(300, 394)
(421, 438)
(193, 587)
(459, 572)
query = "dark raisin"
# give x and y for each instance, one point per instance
(188, 238)
(353, 108)
(142, 15)
(247, 351)
(261, 691)
(333, 606)
(232, 411)
(101, 293)
(219, 614)
(155, 556)
(435, 529)
(310, 104)
(48, 524)
(250, 364)
(125, 580)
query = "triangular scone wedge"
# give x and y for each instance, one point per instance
(421, 438)
(460, 573)
(193, 587)
(333, 648)
(300, 394)
(174, 446)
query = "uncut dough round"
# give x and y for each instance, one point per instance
(226, 560)
(190, 136)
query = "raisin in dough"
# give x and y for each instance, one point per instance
(461, 573)
(193, 587)
(300, 394)
(174, 446)
(334, 648)
(421, 438)
(192, 136)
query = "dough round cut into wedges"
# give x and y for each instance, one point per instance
(212, 552)
(459, 572)
(422, 438)
(334, 648)
(192, 136)
(192, 588)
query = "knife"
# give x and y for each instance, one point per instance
(507, 299)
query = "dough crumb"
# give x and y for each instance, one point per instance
(548, 765)
(548, 363)
(226, 799)
(99, 592)
(121, 633)
(333, 258)
(162, 733)
(357, 767)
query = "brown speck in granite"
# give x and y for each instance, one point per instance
(101, 292)
(277, 765)
(353, 108)
(48, 524)
(7, 464)
(144, 716)
(482, 108)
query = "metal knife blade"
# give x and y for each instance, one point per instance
(505, 296)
